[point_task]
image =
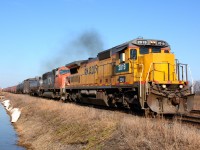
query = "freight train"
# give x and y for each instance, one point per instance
(141, 74)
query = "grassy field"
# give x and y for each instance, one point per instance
(47, 124)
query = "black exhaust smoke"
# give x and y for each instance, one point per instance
(85, 45)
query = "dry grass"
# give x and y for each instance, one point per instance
(46, 124)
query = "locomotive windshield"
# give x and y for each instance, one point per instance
(145, 50)
(156, 50)
(64, 71)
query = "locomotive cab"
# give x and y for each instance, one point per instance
(60, 77)
(160, 82)
(164, 90)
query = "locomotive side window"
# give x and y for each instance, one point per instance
(49, 80)
(133, 54)
(156, 50)
(166, 51)
(64, 71)
(144, 50)
(122, 57)
(74, 70)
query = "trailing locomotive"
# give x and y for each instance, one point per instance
(141, 74)
(53, 82)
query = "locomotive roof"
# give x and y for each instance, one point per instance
(107, 53)
(75, 64)
(31, 79)
(136, 42)
(47, 74)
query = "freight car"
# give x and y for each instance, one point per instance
(28, 86)
(140, 74)
(12, 89)
(20, 88)
(34, 86)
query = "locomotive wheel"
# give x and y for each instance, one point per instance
(111, 102)
(119, 105)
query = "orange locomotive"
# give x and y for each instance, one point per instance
(52, 83)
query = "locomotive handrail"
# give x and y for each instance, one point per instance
(141, 74)
(148, 76)
(192, 87)
(184, 67)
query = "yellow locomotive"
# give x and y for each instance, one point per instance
(139, 74)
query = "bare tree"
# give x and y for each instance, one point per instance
(197, 87)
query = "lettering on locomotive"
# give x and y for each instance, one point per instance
(122, 68)
(122, 79)
(91, 70)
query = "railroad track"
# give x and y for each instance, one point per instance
(193, 117)
(195, 112)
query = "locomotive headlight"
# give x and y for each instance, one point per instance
(180, 86)
(153, 42)
(161, 43)
(164, 86)
(41, 82)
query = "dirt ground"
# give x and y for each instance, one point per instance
(46, 124)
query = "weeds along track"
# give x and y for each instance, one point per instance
(193, 117)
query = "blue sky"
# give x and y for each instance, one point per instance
(36, 33)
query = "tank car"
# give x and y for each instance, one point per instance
(26, 88)
(20, 88)
(12, 89)
(34, 86)
(141, 74)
